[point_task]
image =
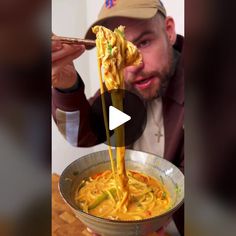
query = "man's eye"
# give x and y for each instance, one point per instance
(144, 44)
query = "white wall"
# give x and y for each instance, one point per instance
(72, 18)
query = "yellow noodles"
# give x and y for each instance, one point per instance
(119, 194)
(148, 197)
(114, 53)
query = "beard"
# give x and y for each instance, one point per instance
(162, 78)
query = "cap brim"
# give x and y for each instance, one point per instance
(132, 13)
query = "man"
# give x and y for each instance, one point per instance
(158, 80)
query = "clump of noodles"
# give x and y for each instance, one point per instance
(115, 53)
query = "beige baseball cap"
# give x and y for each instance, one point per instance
(136, 9)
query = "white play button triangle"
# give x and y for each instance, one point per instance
(116, 118)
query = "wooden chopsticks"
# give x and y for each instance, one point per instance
(68, 40)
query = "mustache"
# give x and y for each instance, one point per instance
(150, 74)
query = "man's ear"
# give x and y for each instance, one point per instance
(170, 29)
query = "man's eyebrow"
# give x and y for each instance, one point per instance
(141, 35)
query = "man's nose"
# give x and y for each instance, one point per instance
(135, 69)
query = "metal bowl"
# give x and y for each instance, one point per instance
(140, 161)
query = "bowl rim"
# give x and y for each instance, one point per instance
(110, 220)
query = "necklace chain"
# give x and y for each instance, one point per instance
(158, 124)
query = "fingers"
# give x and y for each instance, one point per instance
(63, 54)
(57, 65)
(65, 78)
(60, 51)
(161, 232)
(56, 45)
(63, 71)
(93, 234)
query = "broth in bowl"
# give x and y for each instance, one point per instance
(98, 195)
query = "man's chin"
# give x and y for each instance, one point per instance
(146, 96)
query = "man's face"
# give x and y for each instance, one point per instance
(151, 39)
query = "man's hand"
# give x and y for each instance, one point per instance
(63, 71)
(160, 232)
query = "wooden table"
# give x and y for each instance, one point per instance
(64, 222)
